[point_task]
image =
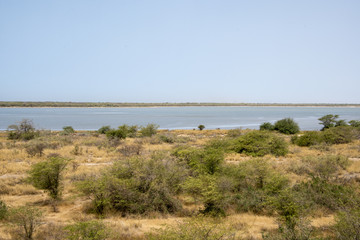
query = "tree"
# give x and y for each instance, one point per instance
(47, 175)
(27, 219)
(201, 127)
(354, 123)
(25, 130)
(328, 121)
(287, 126)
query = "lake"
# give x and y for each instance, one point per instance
(172, 117)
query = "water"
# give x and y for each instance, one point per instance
(171, 117)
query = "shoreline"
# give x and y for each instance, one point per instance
(4, 104)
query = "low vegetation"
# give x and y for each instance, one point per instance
(138, 182)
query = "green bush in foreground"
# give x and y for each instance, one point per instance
(47, 175)
(348, 224)
(199, 228)
(260, 143)
(26, 221)
(90, 230)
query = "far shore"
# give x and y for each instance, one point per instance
(4, 104)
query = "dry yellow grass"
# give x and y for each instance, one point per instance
(93, 157)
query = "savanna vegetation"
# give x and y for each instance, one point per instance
(139, 182)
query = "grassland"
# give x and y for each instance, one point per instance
(91, 153)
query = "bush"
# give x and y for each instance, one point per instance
(67, 130)
(47, 175)
(206, 189)
(90, 230)
(24, 131)
(339, 135)
(149, 130)
(287, 126)
(36, 148)
(199, 228)
(233, 133)
(122, 132)
(26, 219)
(354, 123)
(267, 126)
(254, 182)
(104, 129)
(137, 186)
(307, 139)
(260, 143)
(348, 224)
(201, 127)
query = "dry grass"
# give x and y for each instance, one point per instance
(94, 156)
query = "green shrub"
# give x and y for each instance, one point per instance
(199, 228)
(328, 121)
(201, 127)
(47, 175)
(354, 123)
(348, 224)
(104, 129)
(89, 230)
(149, 130)
(137, 186)
(287, 126)
(206, 189)
(260, 143)
(338, 135)
(26, 221)
(24, 131)
(200, 161)
(67, 130)
(267, 126)
(254, 182)
(307, 139)
(321, 193)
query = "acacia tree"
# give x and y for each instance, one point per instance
(47, 176)
(328, 121)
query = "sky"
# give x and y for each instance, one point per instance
(239, 51)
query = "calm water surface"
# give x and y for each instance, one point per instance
(171, 117)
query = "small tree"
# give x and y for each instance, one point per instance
(47, 176)
(287, 126)
(201, 127)
(25, 130)
(354, 123)
(328, 121)
(27, 219)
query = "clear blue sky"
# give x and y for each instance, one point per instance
(304, 51)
